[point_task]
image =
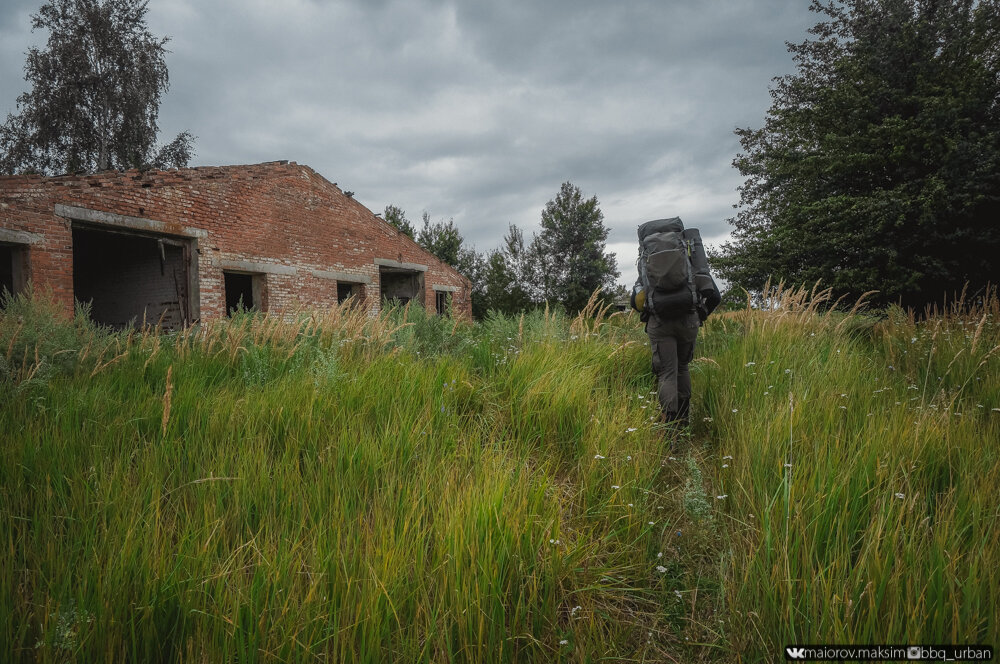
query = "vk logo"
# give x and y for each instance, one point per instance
(796, 653)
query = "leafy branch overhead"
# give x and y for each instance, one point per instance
(95, 94)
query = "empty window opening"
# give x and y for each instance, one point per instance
(13, 270)
(401, 285)
(244, 290)
(441, 302)
(347, 289)
(130, 278)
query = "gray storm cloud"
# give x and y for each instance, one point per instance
(474, 111)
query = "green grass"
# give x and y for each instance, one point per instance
(407, 488)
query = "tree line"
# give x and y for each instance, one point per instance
(563, 264)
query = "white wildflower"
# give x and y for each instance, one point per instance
(661, 569)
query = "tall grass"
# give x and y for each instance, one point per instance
(407, 487)
(861, 490)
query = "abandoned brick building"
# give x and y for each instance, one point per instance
(189, 244)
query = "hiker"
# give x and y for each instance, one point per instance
(674, 295)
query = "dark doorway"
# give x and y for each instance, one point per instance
(13, 271)
(441, 303)
(131, 278)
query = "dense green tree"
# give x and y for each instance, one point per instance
(397, 218)
(95, 93)
(878, 165)
(441, 238)
(504, 276)
(472, 265)
(567, 258)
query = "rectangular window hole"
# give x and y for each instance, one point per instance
(348, 289)
(243, 291)
(13, 270)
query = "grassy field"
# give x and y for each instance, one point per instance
(408, 488)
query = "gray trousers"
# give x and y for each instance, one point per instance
(671, 357)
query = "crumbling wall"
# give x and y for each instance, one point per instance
(279, 220)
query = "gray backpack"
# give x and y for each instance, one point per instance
(673, 269)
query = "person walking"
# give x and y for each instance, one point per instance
(674, 295)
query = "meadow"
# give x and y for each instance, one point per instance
(411, 488)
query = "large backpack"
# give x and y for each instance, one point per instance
(673, 270)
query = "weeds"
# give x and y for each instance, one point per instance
(333, 485)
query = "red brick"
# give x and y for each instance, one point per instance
(278, 213)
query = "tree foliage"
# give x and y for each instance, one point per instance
(504, 276)
(564, 263)
(567, 258)
(878, 165)
(95, 93)
(441, 238)
(397, 218)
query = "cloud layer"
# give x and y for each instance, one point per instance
(474, 111)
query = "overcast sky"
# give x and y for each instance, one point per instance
(474, 110)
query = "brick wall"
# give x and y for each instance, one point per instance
(280, 219)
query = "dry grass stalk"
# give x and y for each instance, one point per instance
(166, 400)
(854, 309)
(979, 331)
(13, 338)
